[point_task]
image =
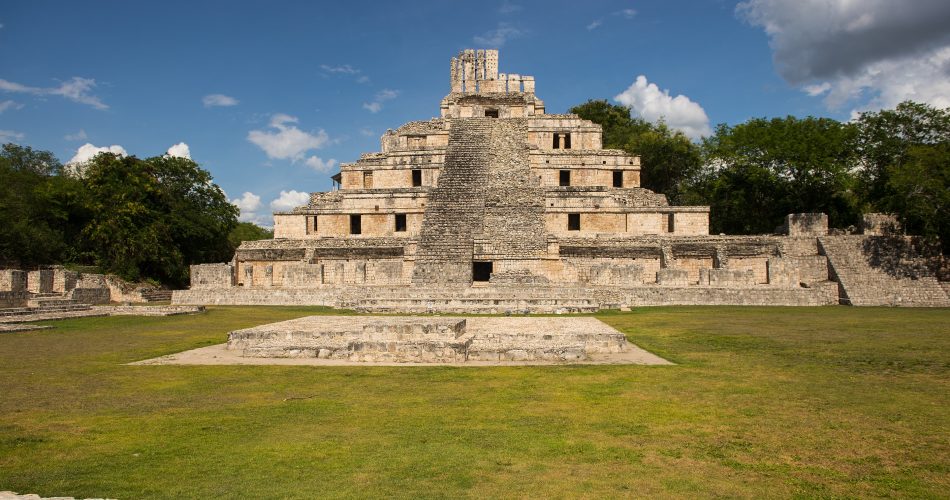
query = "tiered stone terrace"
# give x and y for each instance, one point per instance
(497, 206)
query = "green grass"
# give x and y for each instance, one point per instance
(775, 402)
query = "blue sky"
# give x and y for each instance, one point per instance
(271, 96)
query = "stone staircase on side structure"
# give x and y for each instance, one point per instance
(873, 271)
(455, 207)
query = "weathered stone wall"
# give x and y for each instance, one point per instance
(64, 280)
(40, 281)
(877, 224)
(783, 272)
(212, 276)
(13, 299)
(90, 295)
(806, 224)
(826, 294)
(12, 280)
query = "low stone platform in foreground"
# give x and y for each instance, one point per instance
(423, 340)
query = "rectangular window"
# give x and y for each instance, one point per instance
(416, 178)
(400, 223)
(564, 178)
(567, 141)
(618, 178)
(367, 180)
(356, 224)
(669, 223)
(312, 225)
(491, 113)
(557, 141)
(573, 222)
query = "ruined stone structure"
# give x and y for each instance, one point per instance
(498, 206)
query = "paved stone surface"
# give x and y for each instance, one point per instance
(491, 341)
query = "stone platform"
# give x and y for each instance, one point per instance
(422, 340)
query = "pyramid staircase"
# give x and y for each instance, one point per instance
(455, 207)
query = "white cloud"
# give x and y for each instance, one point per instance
(87, 152)
(78, 136)
(652, 104)
(367, 132)
(345, 69)
(319, 164)
(497, 37)
(289, 200)
(5, 105)
(76, 89)
(212, 100)
(594, 24)
(180, 150)
(362, 79)
(286, 141)
(866, 54)
(372, 107)
(381, 97)
(626, 13)
(11, 136)
(248, 202)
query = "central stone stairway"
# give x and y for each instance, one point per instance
(513, 226)
(871, 271)
(455, 207)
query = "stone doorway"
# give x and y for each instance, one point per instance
(481, 271)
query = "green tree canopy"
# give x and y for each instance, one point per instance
(38, 211)
(247, 231)
(155, 217)
(885, 141)
(757, 172)
(668, 159)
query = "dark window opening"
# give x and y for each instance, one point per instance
(312, 225)
(400, 223)
(564, 179)
(356, 224)
(669, 223)
(618, 178)
(557, 141)
(481, 271)
(416, 178)
(567, 141)
(573, 222)
(491, 113)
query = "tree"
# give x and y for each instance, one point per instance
(885, 141)
(918, 189)
(668, 159)
(247, 231)
(757, 172)
(35, 216)
(153, 218)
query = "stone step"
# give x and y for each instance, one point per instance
(43, 302)
(878, 271)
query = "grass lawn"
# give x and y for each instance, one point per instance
(775, 402)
